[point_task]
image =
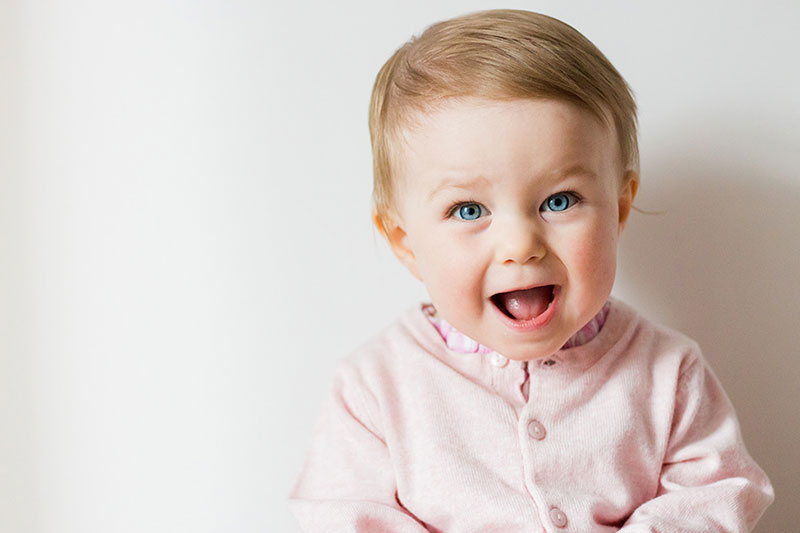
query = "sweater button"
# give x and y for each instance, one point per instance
(536, 430)
(498, 360)
(558, 517)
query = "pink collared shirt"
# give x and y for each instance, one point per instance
(630, 431)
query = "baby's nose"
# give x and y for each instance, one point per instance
(520, 241)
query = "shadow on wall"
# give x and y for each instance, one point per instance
(722, 265)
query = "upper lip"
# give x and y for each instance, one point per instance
(526, 287)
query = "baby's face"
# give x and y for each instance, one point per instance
(510, 212)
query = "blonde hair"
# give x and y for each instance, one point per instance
(496, 54)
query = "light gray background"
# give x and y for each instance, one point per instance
(185, 247)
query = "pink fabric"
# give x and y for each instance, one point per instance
(629, 432)
(459, 342)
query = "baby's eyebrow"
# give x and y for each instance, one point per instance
(575, 170)
(471, 183)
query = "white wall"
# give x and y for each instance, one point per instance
(185, 248)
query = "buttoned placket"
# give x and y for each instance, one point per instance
(507, 377)
(513, 380)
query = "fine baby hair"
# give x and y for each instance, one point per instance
(498, 54)
(522, 396)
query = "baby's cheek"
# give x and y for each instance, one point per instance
(596, 258)
(455, 285)
(457, 279)
(607, 267)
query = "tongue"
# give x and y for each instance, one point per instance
(527, 304)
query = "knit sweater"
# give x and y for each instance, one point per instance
(629, 432)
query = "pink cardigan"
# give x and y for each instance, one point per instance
(631, 430)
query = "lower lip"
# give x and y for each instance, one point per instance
(533, 324)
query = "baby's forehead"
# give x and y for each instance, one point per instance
(473, 131)
(453, 113)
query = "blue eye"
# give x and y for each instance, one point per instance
(560, 202)
(469, 212)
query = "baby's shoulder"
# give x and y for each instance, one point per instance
(404, 345)
(655, 344)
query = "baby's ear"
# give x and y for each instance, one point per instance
(628, 192)
(397, 238)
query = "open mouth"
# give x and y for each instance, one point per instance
(525, 305)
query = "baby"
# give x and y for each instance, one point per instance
(523, 397)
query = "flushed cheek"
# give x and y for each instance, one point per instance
(595, 263)
(453, 278)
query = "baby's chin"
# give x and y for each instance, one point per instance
(526, 350)
(511, 345)
(531, 353)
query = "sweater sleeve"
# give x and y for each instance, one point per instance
(708, 480)
(347, 483)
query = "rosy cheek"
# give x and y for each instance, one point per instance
(595, 255)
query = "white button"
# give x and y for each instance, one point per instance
(498, 360)
(558, 517)
(536, 430)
